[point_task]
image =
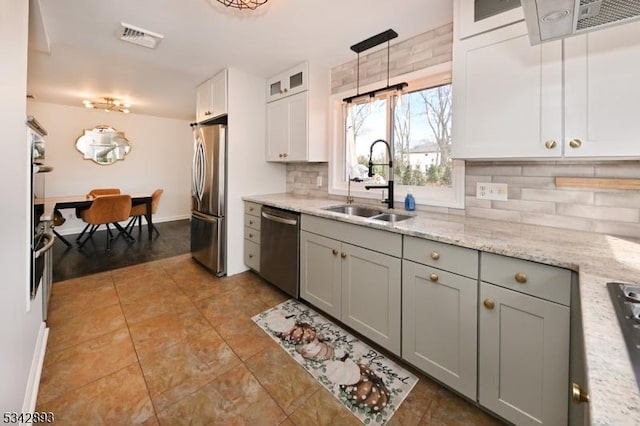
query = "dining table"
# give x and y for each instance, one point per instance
(84, 201)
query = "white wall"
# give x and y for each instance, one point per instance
(248, 172)
(18, 327)
(160, 157)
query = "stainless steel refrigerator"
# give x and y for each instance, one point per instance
(209, 195)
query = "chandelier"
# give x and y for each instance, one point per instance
(243, 4)
(109, 104)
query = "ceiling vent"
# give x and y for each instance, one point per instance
(139, 36)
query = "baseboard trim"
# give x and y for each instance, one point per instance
(33, 382)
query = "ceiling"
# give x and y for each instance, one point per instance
(75, 52)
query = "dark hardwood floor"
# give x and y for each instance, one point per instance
(72, 262)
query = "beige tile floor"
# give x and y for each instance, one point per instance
(167, 343)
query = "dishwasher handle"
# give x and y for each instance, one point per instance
(293, 222)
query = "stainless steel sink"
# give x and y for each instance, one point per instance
(391, 217)
(354, 210)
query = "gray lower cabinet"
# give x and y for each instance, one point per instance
(321, 272)
(356, 285)
(252, 235)
(371, 295)
(523, 360)
(439, 324)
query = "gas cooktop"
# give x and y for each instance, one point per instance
(626, 301)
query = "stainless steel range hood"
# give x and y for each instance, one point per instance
(549, 20)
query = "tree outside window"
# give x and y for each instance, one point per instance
(418, 125)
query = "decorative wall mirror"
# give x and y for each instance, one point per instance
(103, 144)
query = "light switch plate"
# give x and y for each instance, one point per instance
(491, 191)
(319, 181)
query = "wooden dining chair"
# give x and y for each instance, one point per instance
(140, 210)
(96, 192)
(106, 210)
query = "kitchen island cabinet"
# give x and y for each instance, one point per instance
(354, 284)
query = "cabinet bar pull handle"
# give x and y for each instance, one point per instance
(521, 277)
(550, 144)
(334, 251)
(578, 395)
(343, 255)
(433, 277)
(435, 255)
(489, 303)
(575, 143)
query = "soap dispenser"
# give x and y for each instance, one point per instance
(409, 203)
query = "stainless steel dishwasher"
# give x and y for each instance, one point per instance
(279, 249)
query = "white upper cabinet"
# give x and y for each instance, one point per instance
(507, 96)
(562, 99)
(478, 16)
(288, 83)
(602, 92)
(211, 97)
(297, 115)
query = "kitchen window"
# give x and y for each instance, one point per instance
(417, 125)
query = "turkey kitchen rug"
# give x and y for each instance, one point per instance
(365, 381)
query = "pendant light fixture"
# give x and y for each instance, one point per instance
(385, 36)
(243, 4)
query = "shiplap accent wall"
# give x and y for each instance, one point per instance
(533, 197)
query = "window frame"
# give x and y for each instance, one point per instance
(453, 197)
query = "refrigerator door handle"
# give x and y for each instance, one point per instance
(204, 217)
(198, 170)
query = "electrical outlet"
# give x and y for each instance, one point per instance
(319, 181)
(491, 191)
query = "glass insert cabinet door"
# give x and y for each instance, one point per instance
(478, 16)
(103, 145)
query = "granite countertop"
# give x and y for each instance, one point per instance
(597, 258)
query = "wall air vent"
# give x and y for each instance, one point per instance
(139, 36)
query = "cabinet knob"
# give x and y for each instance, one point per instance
(250, 209)
(334, 251)
(578, 395)
(286, 90)
(433, 277)
(207, 113)
(550, 144)
(521, 277)
(435, 255)
(575, 143)
(284, 155)
(250, 222)
(250, 235)
(343, 255)
(250, 256)
(280, 155)
(489, 303)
